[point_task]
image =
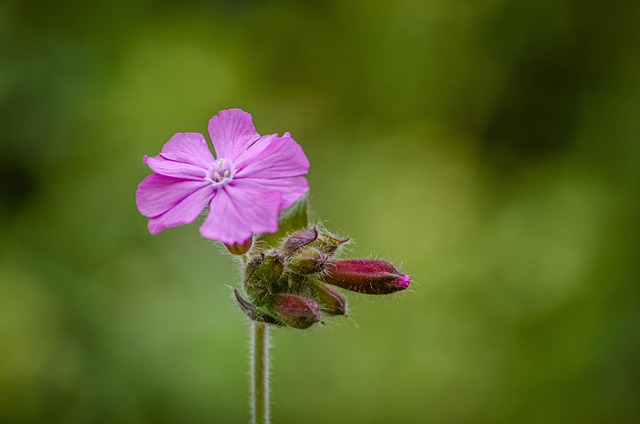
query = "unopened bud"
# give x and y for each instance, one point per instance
(329, 243)
(296, 311)
(307, 261)
(366, 276)
(262, 273)
(298, 240)
(240, 248)
(253, 311)
(331, 302)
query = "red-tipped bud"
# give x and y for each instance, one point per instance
(366, 276)
(240, 248)
(296, 311)
(298, 240)
(331, 302)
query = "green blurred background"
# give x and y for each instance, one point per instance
(492, 148)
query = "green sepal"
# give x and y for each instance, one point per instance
(253, 312)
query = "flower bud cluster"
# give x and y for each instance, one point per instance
(289, 286)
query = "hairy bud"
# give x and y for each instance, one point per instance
(253, 311)
(366, 276)
(307, 261)
(331, 302)
(328, 243)
(262, 274)
(296, 311)
(298, 240)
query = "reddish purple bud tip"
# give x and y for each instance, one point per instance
(404, 282)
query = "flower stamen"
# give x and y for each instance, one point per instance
(220, 173)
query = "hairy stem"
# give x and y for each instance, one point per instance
(260, 373)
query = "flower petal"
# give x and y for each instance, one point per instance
(291, 189)
(235, 214)
(170, 168)
(273, 156)
(184, 212)
(188, 148)
(157, 194)
(232, 132)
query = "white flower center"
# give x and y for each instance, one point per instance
(221, 173)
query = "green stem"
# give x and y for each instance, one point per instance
(260, 373)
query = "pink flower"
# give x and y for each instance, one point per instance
(253, 178)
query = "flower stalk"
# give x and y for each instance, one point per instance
(260, 373)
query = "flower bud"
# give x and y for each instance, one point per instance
(307, 261)
(298, 240)
(240, 248)
(366, 276)
(328, 243)
(262, 274)
(252, 311)
(296, 311)
(331, 302)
